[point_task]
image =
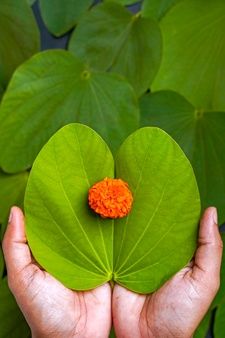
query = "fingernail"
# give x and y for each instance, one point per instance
(214, 216)
(10, 216)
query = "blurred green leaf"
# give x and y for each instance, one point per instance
(1, 92)
(193, 60)
(19, 36)
(31, 2)
(60, 16)
(83, 250)
(156, 9)
(203, 328)
(219, 323)
(112, 333)
(12, 189)
(1, 263)
(201, 136)
(220, 297)
(109, 37)
(219, 301)
(53, 89)
(13, 324)
(124, 2)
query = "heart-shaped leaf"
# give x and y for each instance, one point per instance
(200, 134)
(126, 44)
(13, 324)
(60, 16)
(193, 60)
(12, 188)
(81, 243)
(19, 36)
(53, 89)
(158, 174)
(156, 9)
(83, 250)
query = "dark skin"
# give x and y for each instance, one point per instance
(175, 310)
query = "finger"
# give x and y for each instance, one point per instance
(16, 251)
(207, 261)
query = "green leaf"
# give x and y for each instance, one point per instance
(19, 36)
(124, 2)
(126, 44)
(219, 323)
(156, 9)
(31, 2)
(60, 16)
(158, 236)
(1, 92)
(83, 250)
(1, 265)
(112, 333)
(79, 247)
(201, 136)
(12, 189)
(53, 89)
(194, 55)
(219, 301)
(220, 297)
(13, 324)
(203, 328)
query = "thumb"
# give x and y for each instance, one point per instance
(16, 251)
(207, 261)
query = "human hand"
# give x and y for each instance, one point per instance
(51, 309)
(177, 308)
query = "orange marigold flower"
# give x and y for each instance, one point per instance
(111, 198)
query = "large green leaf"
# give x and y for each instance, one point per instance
(19, 36)
(109, 37)
(13, 324)
(53, 89)
(12, 188)
(201, 136)
(157, 238)
(60, 16)
(156, 9)
(194, 53)
(83, 250)
(78, 250)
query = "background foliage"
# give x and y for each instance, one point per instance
(158, 63)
